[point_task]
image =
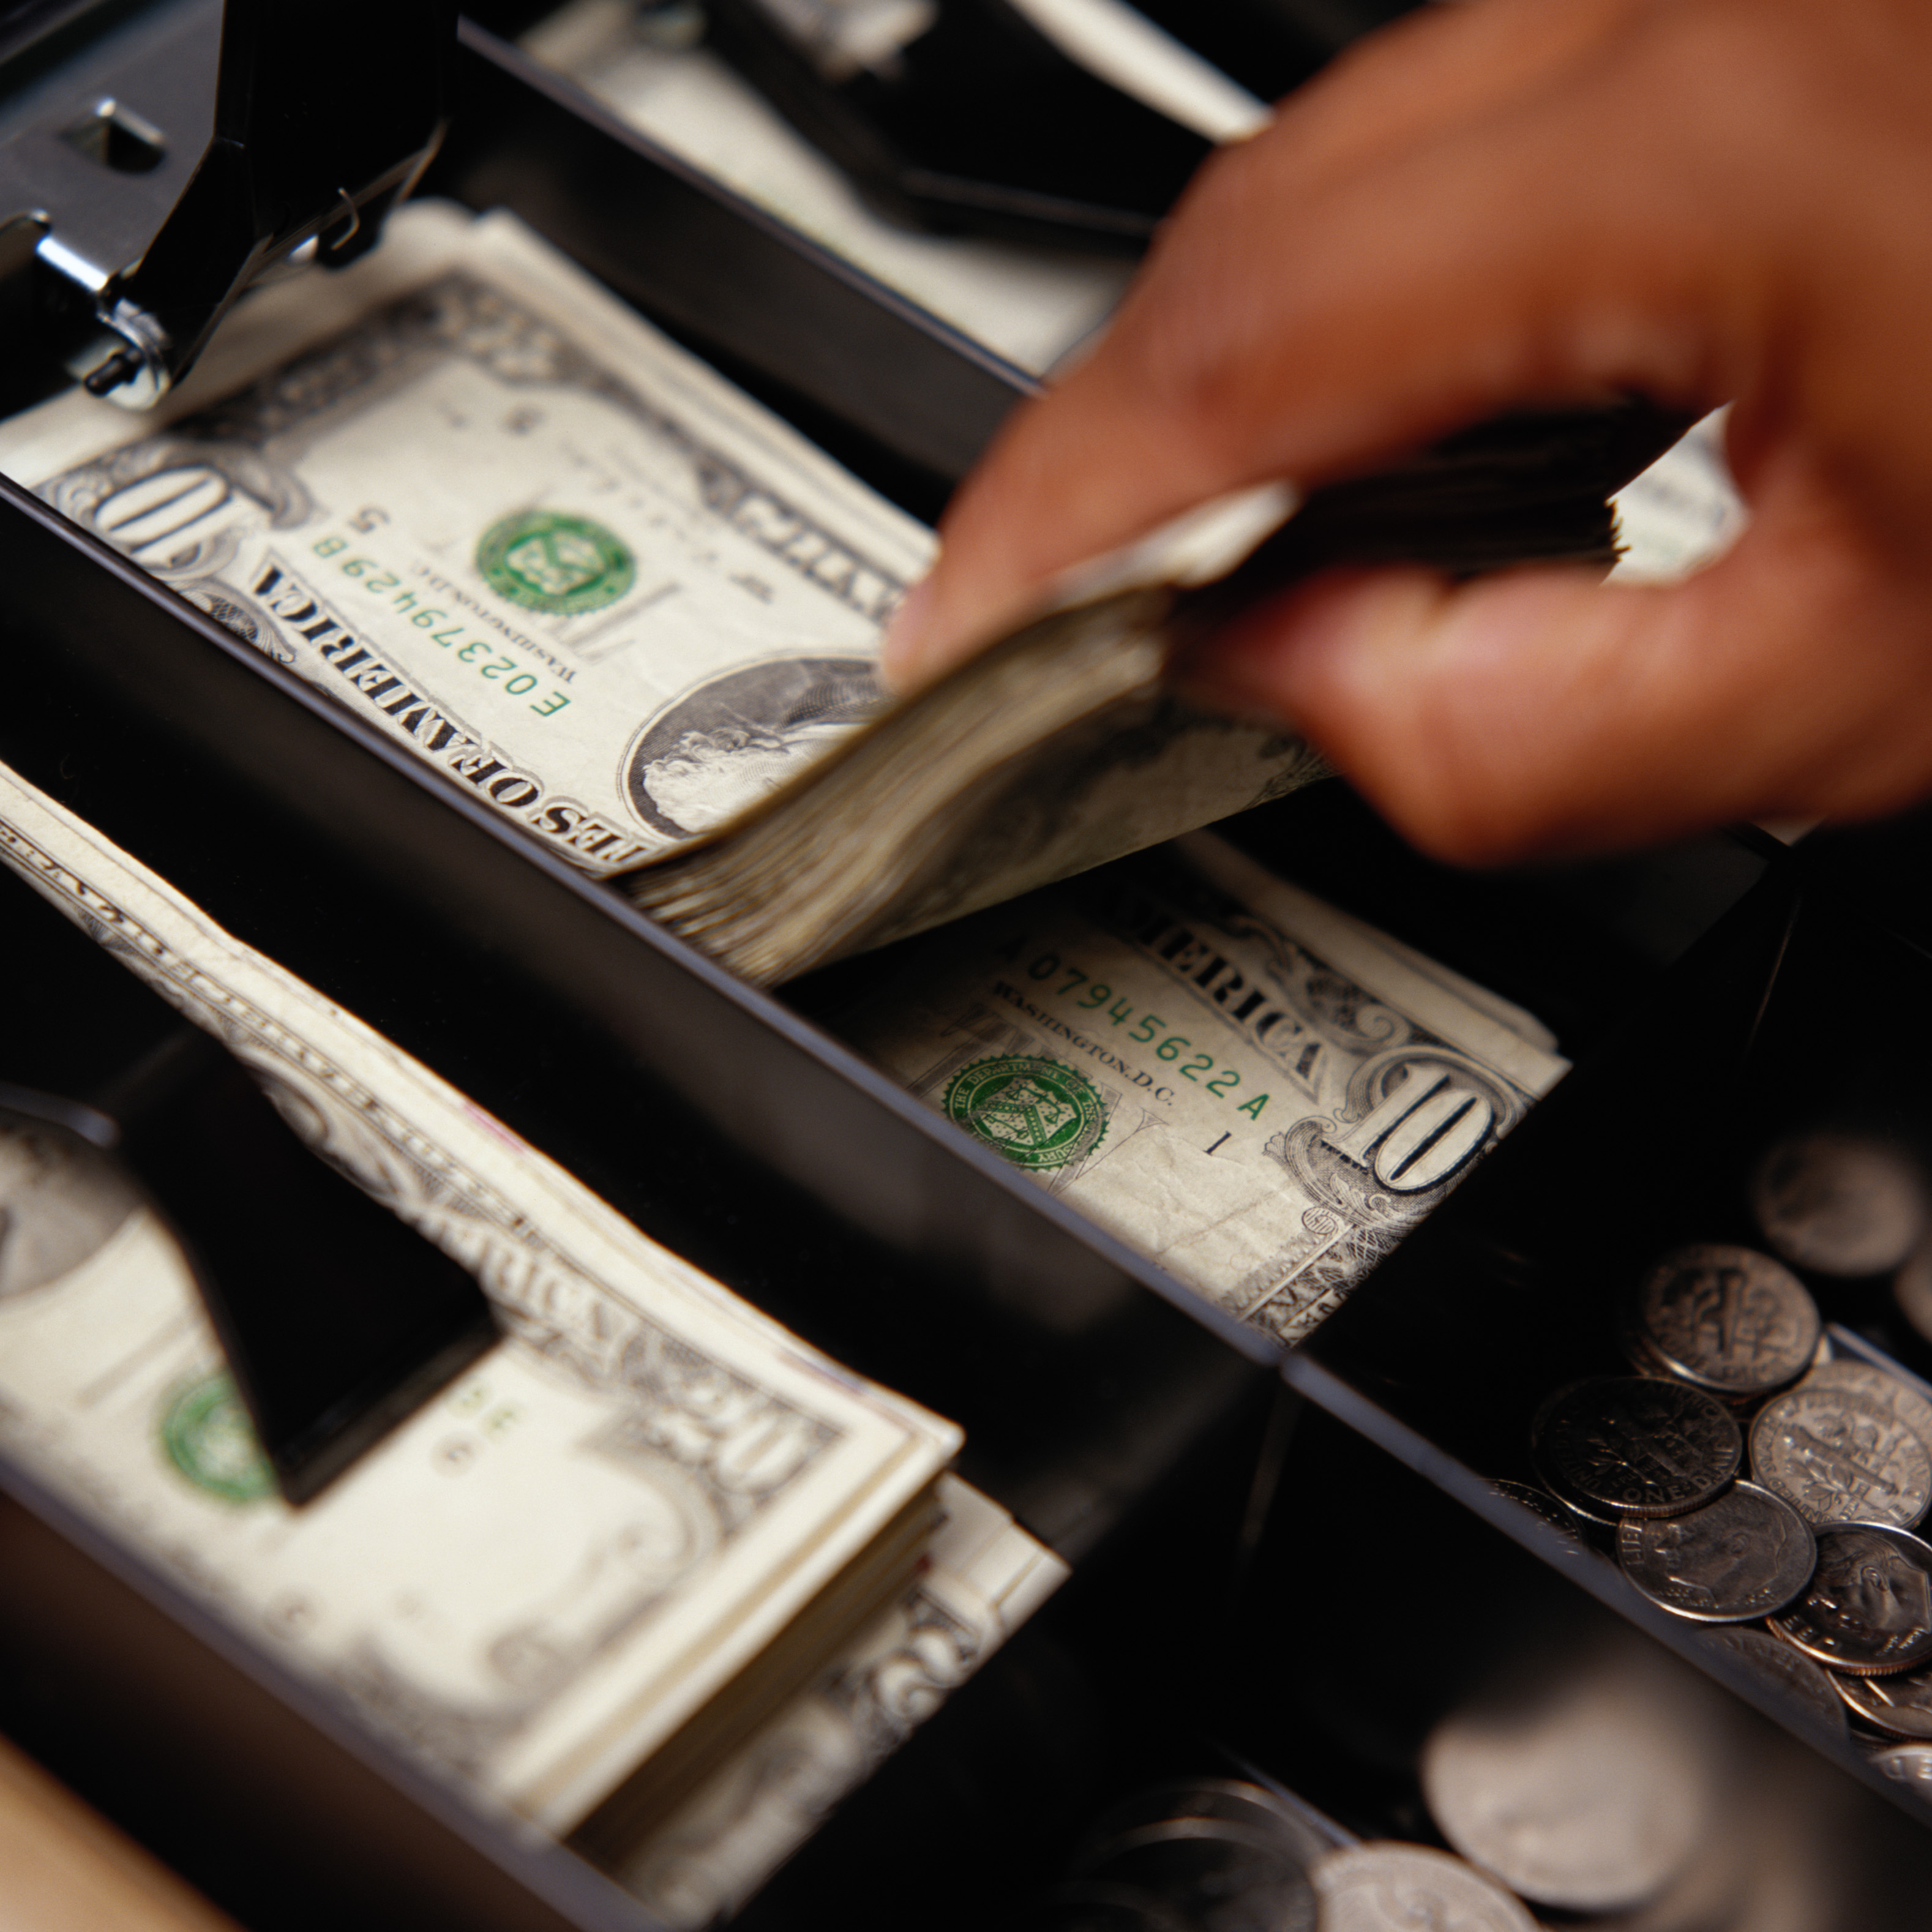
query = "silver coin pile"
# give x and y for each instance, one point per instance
(1745, 1474)
(1212, 1855)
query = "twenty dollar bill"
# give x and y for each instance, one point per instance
(554, 1568)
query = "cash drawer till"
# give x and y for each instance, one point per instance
(1285, 1568)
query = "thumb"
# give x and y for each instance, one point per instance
(1540, 712)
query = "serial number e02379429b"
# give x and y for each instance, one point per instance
(482, 655)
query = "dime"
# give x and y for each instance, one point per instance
(1743, 1556)
(1842, 1204)
(1728, 1319)
(1891, 1392)
(1909, 1764)
(1901, 1704)
(1632, 1444)
(1392, 1888)
(1868, 1607)
(1553, 1509)
(1587, 1789)
(1810, 1693)
(1839, 1456)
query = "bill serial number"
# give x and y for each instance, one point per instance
(461, 643)
(1085, 994)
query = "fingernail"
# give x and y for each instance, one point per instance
(899, 653)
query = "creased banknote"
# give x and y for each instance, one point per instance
(983, 1577)
(556, 1565)
(1256, 1090)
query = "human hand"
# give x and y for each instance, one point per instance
(1505, 202)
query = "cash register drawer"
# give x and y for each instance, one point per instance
(1129, 1423)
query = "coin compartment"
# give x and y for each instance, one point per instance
(1121, 1416)
(1515, 1288)
(1428, 1663)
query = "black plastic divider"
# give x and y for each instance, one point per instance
(762, 300)
(1511, 1286)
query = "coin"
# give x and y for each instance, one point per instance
(1810, 1694)
(1891, 1392)
(1587, 1789)
(1632, 1444)
(1386, 1887)
(1745, 1554)
(1842, 1204)
(1213, 1873)
(1868, 1607)
(1909, 1764)
(1197, 1801)
(1553, 1509)
(1728, 1319)
(1901, 1704)
(1839, 1456)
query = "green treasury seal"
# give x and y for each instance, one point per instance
(1036, 1112)
(209, 1438)
(546, 561)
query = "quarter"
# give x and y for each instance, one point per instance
(1727, 1318)
(1868, 1607)
(1843, 1204)
(1744, 1554)
(1587, 1789)
(1839, 1456)
(1636, 1445)
(1212, 1872)
(1911, 1289)
(1386, 1887)
(1199, 1801)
